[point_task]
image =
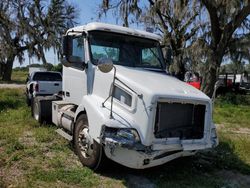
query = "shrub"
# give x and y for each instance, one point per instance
(235, 99)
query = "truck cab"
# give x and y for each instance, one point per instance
(118, 101)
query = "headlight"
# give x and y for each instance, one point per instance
(122, 96)
(129, 134)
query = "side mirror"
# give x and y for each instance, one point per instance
(105, 65)
(67, 45)
(72, 45)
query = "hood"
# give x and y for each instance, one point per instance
(157, 83)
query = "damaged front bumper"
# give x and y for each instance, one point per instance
(124, 146)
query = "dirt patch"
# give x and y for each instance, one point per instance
(11, 176)
(234, 179)
(239, 130)
(28, 139)
(12, 86)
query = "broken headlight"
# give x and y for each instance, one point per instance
(129, 134)
(124, 137)
(121, 134)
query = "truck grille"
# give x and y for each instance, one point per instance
(185, 121)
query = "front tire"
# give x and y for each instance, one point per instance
(88, 150)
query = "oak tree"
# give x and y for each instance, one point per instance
(33, 26)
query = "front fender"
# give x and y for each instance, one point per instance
(99, 116)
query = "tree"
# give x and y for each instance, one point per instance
(174, 19)
(247, 68)
(32, 26)
(178, 23)
(225, 16)
(125, 8)
(233, 67)
(207, 38)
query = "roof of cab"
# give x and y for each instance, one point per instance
(97, 26)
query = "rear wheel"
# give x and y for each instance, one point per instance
(88, 150)
(36, 110)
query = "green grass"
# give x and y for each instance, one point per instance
(233, 110)
(33, 155)
(17, 77)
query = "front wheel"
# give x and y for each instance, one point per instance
(88, 150)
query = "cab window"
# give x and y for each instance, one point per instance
(78, 52)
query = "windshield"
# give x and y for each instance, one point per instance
(126, 50)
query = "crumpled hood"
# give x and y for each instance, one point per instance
(157, 83)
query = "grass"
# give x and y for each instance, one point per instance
(233, 110)
(17, 77)
(33, 155)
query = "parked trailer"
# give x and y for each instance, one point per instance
(118, 102)
(230, 82)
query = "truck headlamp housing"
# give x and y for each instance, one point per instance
(123, 137)
(129, 134)
(122, 134)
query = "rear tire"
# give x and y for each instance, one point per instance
(36, 110)
(88, 150)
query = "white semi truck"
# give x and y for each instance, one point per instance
(118, 101)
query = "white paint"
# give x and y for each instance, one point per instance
(89, 88)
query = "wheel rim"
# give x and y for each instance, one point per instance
(36, 112)
(85, 143)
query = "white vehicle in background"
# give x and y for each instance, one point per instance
(36, 69)
(42, 83)
(119, 102)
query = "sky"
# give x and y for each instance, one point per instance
(87, 13)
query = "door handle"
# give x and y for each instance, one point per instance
(56, 84)
(67, 94)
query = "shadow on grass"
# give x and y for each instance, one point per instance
(196, 171)
(10, 104)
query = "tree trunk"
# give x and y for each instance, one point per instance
(179, 67)
(1, 69)
(210, 75)
(8, 68)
